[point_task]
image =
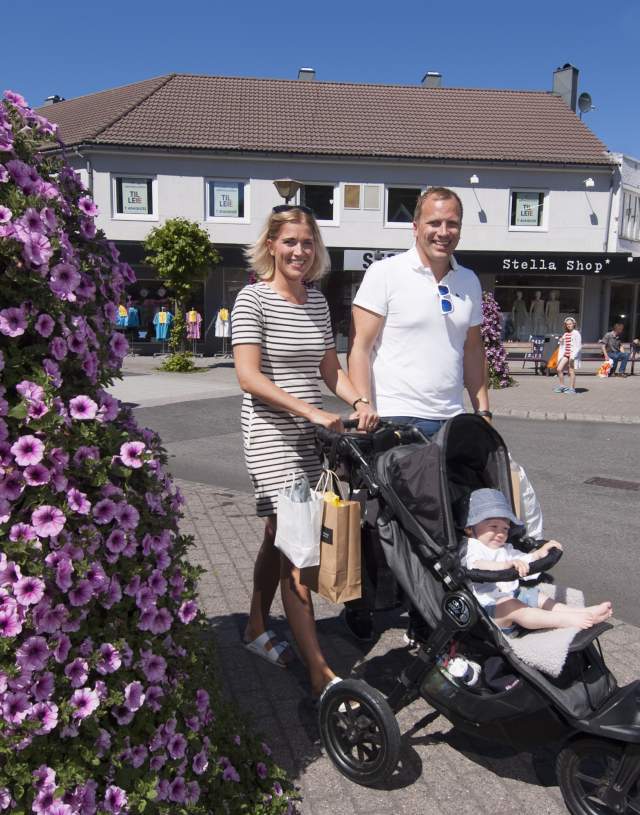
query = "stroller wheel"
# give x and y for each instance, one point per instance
(360, 732)
(586, 769)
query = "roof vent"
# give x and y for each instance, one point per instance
(432, 79)
(565, 84)
(307, 74)
(53, 99)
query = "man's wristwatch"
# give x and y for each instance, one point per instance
(487, 414)
(362, 399)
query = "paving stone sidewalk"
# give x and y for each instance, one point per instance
(442, 771)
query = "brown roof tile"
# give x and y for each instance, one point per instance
(182, 111)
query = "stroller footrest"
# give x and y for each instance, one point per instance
(584, 638)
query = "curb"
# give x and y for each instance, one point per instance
(566, 417)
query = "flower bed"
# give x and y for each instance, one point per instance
(107, 704)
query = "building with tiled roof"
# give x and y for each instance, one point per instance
(536, 183)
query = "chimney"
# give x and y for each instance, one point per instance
(53, 100)
(307, 74)
(432, 79)
(565, 84)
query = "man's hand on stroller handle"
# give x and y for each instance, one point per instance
(367, 417)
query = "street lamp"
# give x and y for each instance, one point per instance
(287, 187)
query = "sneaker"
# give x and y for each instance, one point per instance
(570, 390)
(560, 389)
(359, 624)
(416, 635)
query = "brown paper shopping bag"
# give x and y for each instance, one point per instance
(338, 576)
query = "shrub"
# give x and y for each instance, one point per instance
(498, 373)
(180, 362)
(107, 704)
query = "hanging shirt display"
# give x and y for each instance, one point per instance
(162, 321)
(194, 320)
(121, 319)
(133, 317)
(222, 323)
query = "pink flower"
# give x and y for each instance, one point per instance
(78, 501)
(48, 521)
(110, 659)
(176, 746)
(37, 474)
(15, 707)
(131, 454)
(127, 515)
(36, 249)
(104, 511)
(43, 687)
(65, 278)
(22, 533)
(81, 593)
(46, 713)
(261, 770)
(87, 206)
(161, 621)
(134, 696)
(28, 450)
(83, 408)
(78, 672)
(84, 702)
(200, 762)
(153, 666)
(10, 625)
(44, 325)
(28, 590)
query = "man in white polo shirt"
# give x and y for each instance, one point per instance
(416, 341)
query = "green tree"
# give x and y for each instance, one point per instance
(182, 254)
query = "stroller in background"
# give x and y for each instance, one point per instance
(423, 489)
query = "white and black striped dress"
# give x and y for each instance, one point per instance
(293, 340)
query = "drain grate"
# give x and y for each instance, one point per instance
(614, 483)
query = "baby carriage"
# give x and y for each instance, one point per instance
(423, 489)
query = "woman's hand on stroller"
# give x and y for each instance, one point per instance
(367, 417)
(331, 421)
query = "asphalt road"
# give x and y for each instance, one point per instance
(599, 525)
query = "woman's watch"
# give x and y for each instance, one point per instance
(487, 414)
(362, 399)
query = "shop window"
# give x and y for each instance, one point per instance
(630, 229)
(134, 196)
(319, 198)
(227, 199)
(401, 203)
(527, 209)
(531, 306)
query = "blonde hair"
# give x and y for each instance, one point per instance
(261, 260)
(570, 320)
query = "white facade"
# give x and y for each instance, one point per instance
(575, 217)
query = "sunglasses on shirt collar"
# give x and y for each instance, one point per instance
(288, 207)
(446, 301)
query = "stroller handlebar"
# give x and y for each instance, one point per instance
(543, 565)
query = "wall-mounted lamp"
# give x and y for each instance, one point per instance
(474, 179)
(287, 187)
(589, 183)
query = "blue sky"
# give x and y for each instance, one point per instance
(74, 48)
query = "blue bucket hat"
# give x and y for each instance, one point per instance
(487, 503)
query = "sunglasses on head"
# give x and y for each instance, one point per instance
(446, 302)
(288, 207)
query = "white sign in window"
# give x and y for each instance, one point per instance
(526, 208)
(226, 199)
(134, 196)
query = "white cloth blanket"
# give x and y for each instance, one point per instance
(547, 648)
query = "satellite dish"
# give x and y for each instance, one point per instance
(585, 103)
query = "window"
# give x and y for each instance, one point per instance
(527, 209)
(630, 229)
(319, 198)
(134, 196)
(227, 199)
(401, 203)
(354, 198)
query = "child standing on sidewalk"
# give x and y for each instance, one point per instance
(568, 356)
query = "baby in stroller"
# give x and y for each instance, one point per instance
(490, 522)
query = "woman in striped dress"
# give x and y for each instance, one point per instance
(282, 339)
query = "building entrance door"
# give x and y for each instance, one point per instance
(623, 307)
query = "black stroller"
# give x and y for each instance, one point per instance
(423, 489)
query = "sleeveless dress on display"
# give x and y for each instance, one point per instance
(293, 340)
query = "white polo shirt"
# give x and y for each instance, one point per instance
(417, 360)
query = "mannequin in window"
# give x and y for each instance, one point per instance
(552, 313)
(194, 321)
(536, 313)
(519, 316)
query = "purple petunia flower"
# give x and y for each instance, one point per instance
(84, 702)
(28, 450)
(13, 322)
(187, 611)
(230, 773)
(119, 345)
(43, 687)
(87, 205)
(58, 348)
(104, 511)
(44, 325)
(176, 746)
(161, 621)
(37, 249)
(22, 533)
(131, 454)
(10, 625)
(28, 590)
(46, 713)
(110, 659)
(83, 408)
(5, 215)
(127, 515)
(200, 762)
(115, 800)
(78, 501)
(48, 521)
(178, 790)
(81, 593)
(77, 672)
(36, 475)
(15, 707)
(64, 279)
(134, 696)
(33, 654)
(261, 770)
